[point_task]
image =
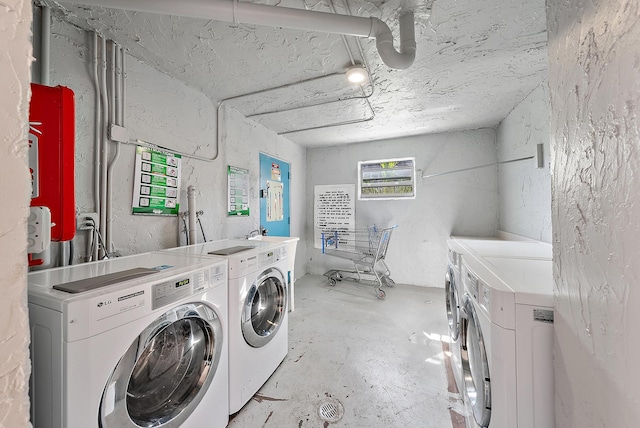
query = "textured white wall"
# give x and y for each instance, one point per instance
(166, 112)
(15, 188)
(464, 203)
(243, 144)
(525, 190)
(595, 100)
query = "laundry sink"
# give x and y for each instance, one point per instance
(275, 239)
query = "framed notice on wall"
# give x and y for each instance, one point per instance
(333, 210)
(238, 191)
(156, 182)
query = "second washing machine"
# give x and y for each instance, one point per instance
(507, 342)
(258, 316)
(454, 289)
(453, 298)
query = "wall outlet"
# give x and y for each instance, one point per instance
(39, 229)
(83, 221)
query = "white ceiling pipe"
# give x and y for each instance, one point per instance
(384, 43)
(275, 16)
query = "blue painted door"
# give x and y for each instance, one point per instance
(274, 196)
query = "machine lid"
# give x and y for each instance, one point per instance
(208, 249)
(41, 284)
(264, 308)
(458, 243)
(166, 371)
(531, 280)
(231, 250)
(103, 280)
(475, 365)
(451, 300)
(511, 249)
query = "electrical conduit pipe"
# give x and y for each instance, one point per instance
(97, 140)
(114, 118)
(104, 148)
(275, 16)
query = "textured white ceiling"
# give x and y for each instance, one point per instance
(475, 60)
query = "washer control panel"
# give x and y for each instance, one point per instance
(274, 255)
(178, 288)
(471, 281)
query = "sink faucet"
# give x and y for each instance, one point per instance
(261, 231)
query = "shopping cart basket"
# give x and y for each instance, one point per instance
(367, 249)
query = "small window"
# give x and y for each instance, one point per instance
(387, 179)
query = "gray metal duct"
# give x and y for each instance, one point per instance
(275, 16)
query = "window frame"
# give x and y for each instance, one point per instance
(404, 169)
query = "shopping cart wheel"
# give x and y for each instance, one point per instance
(332, 282)
(388, 281)
(339, 276)
(380, 294)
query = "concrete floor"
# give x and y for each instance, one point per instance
(374, 363)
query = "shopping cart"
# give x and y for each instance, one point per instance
(367, 249)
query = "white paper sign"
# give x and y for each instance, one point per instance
(334, 210)
(275, 200)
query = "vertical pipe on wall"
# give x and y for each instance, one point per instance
(123, 84)
(118, 83)
(104, 149)
(191, 204)
(97, 145)
(45, 48)
(111, 80)
(114, 109)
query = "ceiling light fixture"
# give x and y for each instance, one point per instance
(357, 74)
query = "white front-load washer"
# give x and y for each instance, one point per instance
(258, 316)
(506, 341)
(137, 341)
(458, 246)
(454, 291)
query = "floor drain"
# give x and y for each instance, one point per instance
(331, 410)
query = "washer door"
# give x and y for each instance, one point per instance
(166, 371)
(475, 365)
(264, 308)
(451, 298)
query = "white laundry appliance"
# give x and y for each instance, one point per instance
(258, 316)
(291, 242)
(454, 291)
(506, 342)
(457, 246)
(137, 341)
(503, 248)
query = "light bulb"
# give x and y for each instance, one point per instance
(357, 74)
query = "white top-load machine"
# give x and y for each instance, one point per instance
(129, 342)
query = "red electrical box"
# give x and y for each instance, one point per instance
(51, 156)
